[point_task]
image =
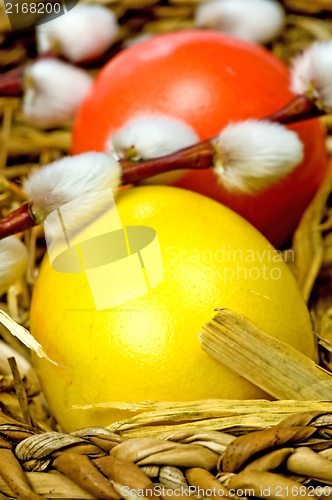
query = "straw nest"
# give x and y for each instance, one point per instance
(207, 448)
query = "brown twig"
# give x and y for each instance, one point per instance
(299, 109)
(198, 156)
(17, 221)
(11, 83)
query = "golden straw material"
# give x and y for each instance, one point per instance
(312, 7)
(205, 417)
(274, 366)
(308, 244)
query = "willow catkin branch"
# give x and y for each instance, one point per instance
(244, 447)
(81, 471)
(268, 485)
(273, 366)
(306, 462)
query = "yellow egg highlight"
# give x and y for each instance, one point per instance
(147, 348)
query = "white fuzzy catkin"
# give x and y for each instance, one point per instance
(68, 179)
(151, 137)
(53, 91)
(255, 154)
(311, 74)
(84, 32)
(258, 21)
(13, 262)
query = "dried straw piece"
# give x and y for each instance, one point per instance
(5, 134)
(11, 472)
(166, 25)
(244, 447)
(169, 11)
(312, 7)
(132, 4)
(20, 391)
(201, 478)
(25, 140)
(323, 420)
(44, 444)
(37, 465)
(51, 485)
(84, 449)
(268, 485)
(127, 495)
(103, 438)
(273, 366)
(158, 452)
(81, 471)
(16, 432)
(308, 245)
(299, 419)
(165, 420)
(5, 419)
(6, 383)
(23, 335)
(169, 493)
(150, 470)
(172, 476)
(138, 449)
(270, 461)
(306, 462)
(185, 456)
(122, 472)
(190, 436)
(4, 443)
(320, 30)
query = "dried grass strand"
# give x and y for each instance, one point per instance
(273, 366)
